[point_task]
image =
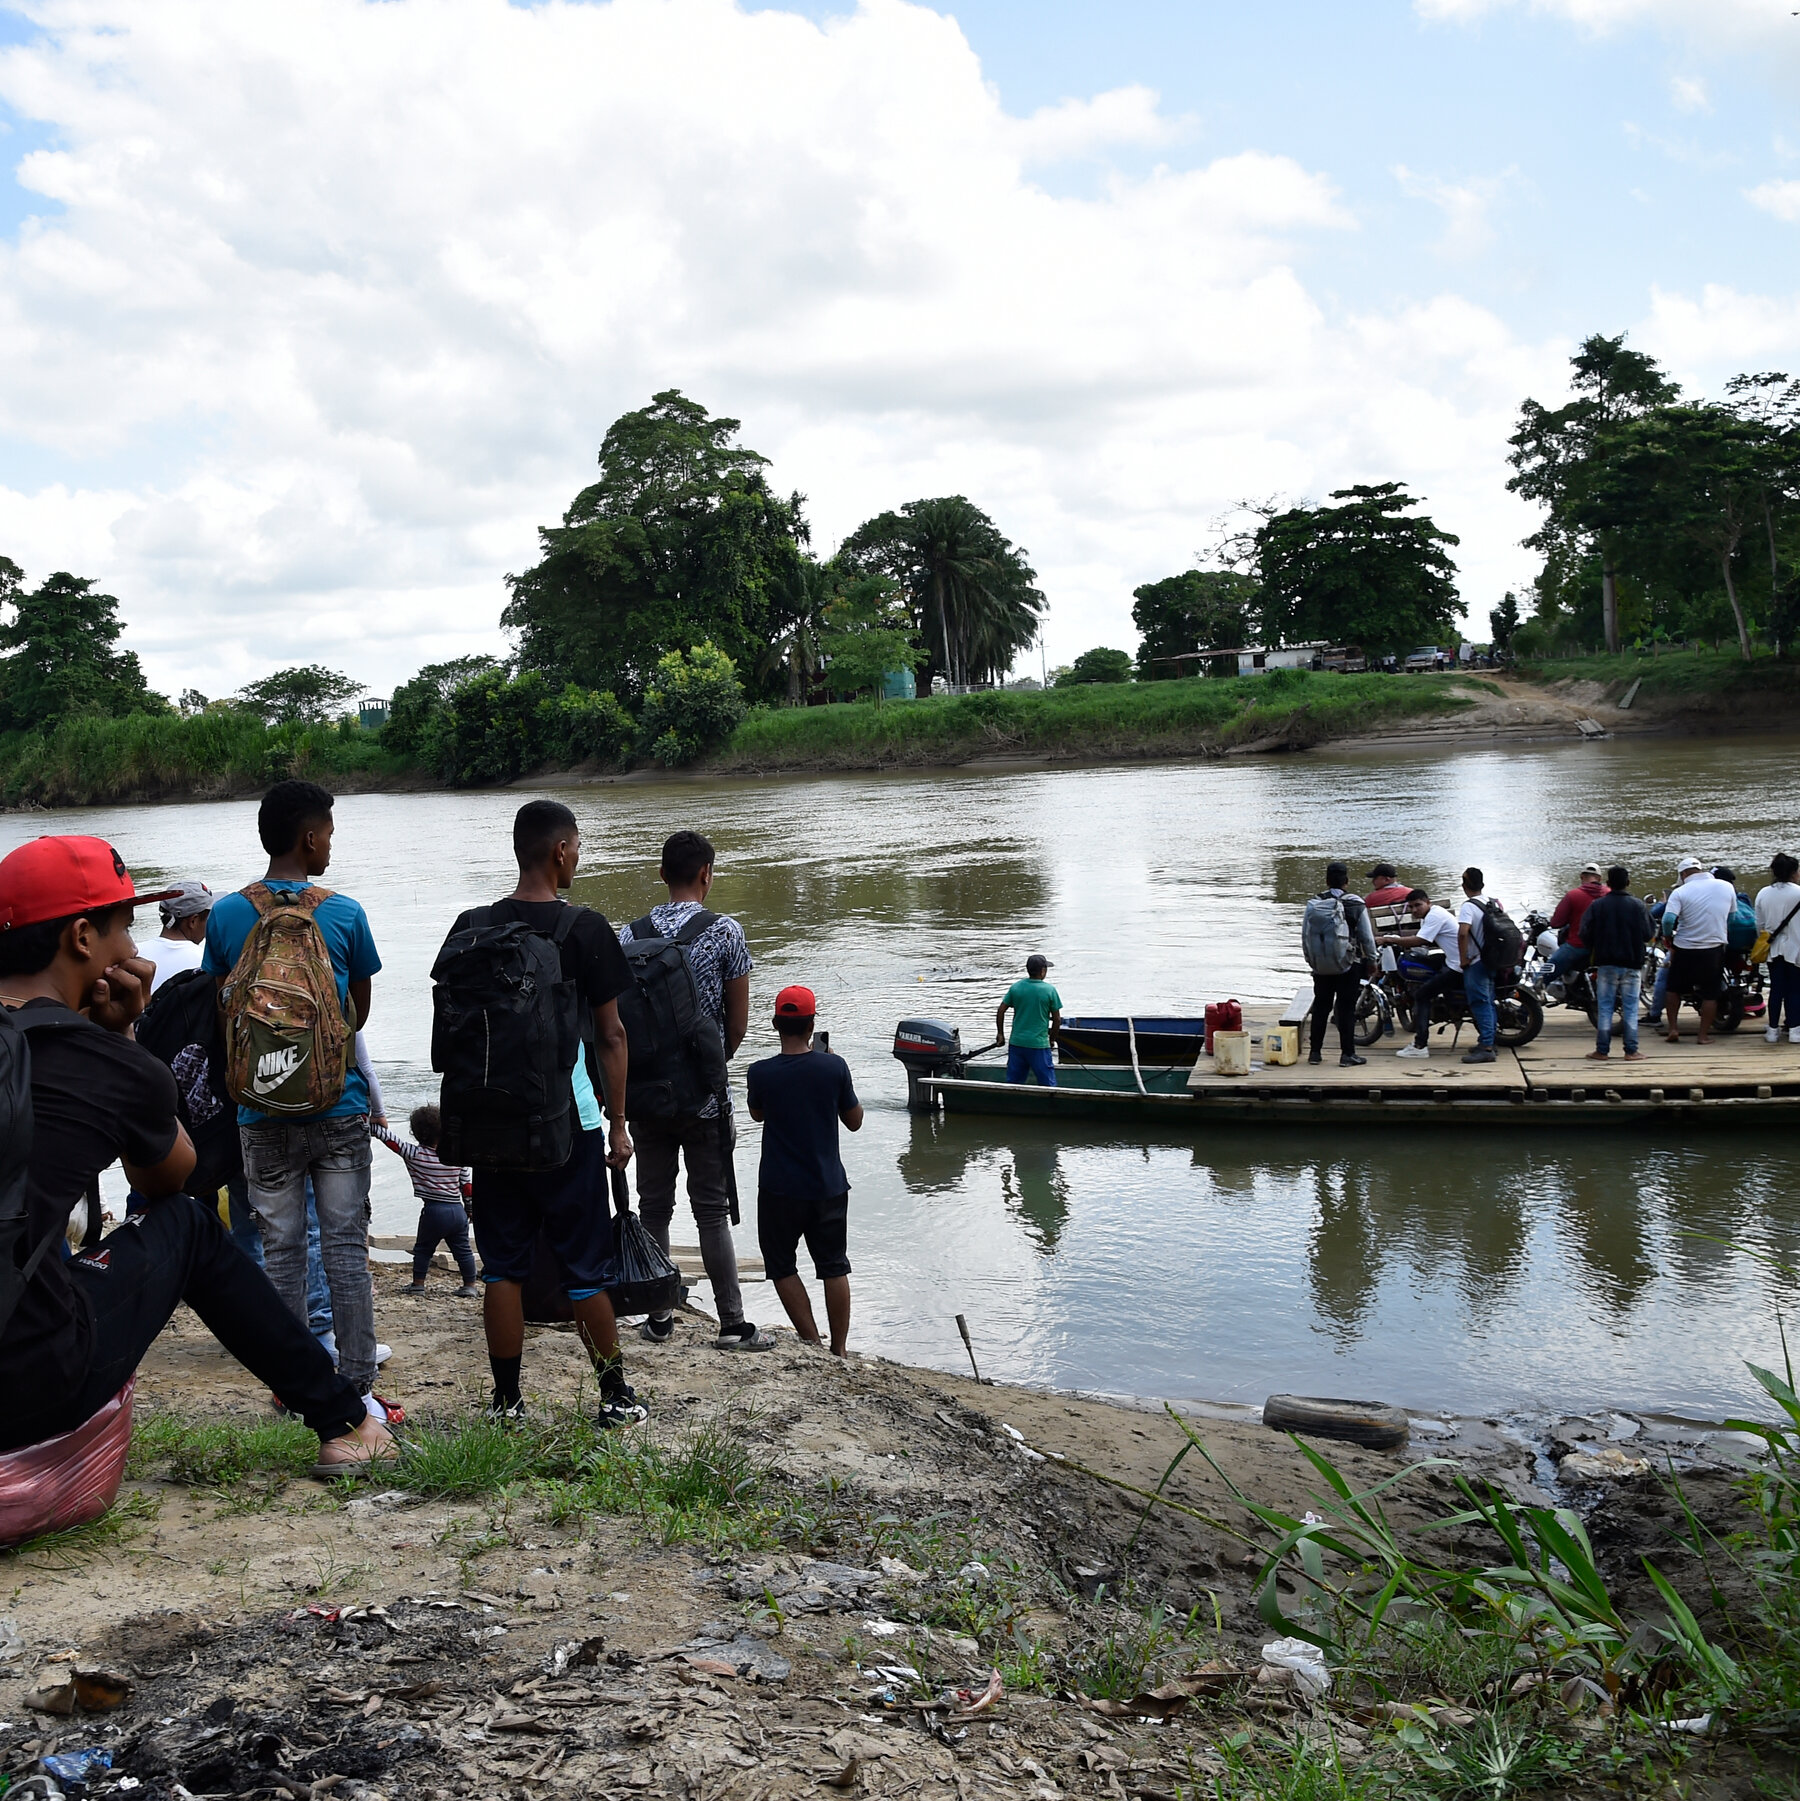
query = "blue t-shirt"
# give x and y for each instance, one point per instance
(345, 928)
(800, 1098)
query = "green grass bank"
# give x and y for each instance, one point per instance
(1287, 707)
(211, 756)
(1703, 680)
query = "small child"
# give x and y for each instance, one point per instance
(442, 1192)
(801, 1097)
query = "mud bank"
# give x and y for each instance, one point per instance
(283, 1638)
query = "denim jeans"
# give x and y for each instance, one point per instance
(1784, 994)
(1566, 959)
(318, 1290)
(279, 1157)
(1621, 986)
(1478, 985)
(700, 1146)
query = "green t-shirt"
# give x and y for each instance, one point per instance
(1032, 1003)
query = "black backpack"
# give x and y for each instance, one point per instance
(16, 1270)
(1502, 943)
(505, 1032)
(677, 1050)
(181, 1028)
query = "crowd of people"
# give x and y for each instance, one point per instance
(1600, 928)
(271, 1247)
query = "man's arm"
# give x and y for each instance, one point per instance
(1000, 1019)
(609, 1031)
(1055, 1023)
(737, 1013)
(1465, 943)
(360, 993)
(850, 1112)
(155, 1180)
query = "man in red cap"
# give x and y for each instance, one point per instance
(72, 1332)
(801, 1097)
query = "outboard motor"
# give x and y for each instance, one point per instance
(927, 1047)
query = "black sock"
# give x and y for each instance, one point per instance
(611, 1371)
(506, 1379)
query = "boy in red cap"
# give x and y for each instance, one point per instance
(801, 1097)
(72, 1332)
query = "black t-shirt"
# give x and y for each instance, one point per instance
(800, 1099)
(95, 1097)
(591, 957)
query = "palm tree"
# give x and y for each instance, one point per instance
(973, 596)
(798, 598)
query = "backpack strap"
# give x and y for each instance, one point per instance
(565, 923)
(701, 923)
(644, 928)
(262, 897)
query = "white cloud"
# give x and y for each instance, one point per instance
(1466, 206)
(1782, 198)
(349, 293)
(1723, 333)
(1687, 94)
(1708, 19)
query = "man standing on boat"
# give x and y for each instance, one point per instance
(1037, 1019)
(1339, 946)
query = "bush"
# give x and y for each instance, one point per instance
(1097, 665)
(692, 705)
(582, 726)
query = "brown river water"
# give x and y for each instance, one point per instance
(1472, 1270)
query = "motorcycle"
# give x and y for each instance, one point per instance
(1386, 1001)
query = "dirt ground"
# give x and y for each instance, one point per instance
(397, 1647)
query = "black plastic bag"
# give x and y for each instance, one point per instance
(647, 1281)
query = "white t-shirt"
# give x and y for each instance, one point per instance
(1471, 914)
(1699, 910)
(171, 956)
(1438, 928)
(1774, 905)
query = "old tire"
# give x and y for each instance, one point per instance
(1371, 1424)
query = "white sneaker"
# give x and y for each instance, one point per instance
(1794, 1034)
(1413, 1050)
(382, 1353)
(1772, 1035)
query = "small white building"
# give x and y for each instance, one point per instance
(1290, 656)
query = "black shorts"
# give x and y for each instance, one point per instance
(570, 1205)
(782, 1221)
(1697, 974)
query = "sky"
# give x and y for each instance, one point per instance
(311, 315)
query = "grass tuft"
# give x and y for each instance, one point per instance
(129, 1517)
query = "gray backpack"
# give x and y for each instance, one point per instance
(1325, 936)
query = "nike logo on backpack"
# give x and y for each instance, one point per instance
(275, 1067)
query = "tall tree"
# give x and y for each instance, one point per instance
(63, 637)
(1771, 402)
(1560, 454)
(679, 542)
(306, 694)
(1368, 572)
(1202, 609)
(1503, 620)
(973, 597)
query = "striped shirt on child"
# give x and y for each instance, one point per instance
(431, 1180)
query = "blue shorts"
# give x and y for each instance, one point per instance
(1022, 1061)
(571, 1206)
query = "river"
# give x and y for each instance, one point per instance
(1477, 1271)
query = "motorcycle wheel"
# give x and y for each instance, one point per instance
(1731, 1010)
(1521, 1018)
(1371, 1016)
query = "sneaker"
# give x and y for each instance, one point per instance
(1414, 1050)
(468, 1292)
(413, 1288)
(1316, 1057)
(1794, 1035)
(743, 1337)
(1352, 1061)
(657, 1331)
(620, 1409)
(1771, 1034)
(505, 1413)
(1480, 1054)
(382, 1353)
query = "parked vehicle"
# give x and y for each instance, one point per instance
(1386, 1002)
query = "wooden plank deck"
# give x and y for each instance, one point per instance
(1738, 1065)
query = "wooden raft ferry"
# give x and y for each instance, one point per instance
(1738, 1079)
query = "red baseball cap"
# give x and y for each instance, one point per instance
(53, 878)
(795, 1003)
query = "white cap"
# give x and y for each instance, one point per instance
(1688, 865)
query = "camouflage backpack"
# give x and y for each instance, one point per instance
(288, 1040)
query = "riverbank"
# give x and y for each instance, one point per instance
(217, 756)
(806, 1572)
